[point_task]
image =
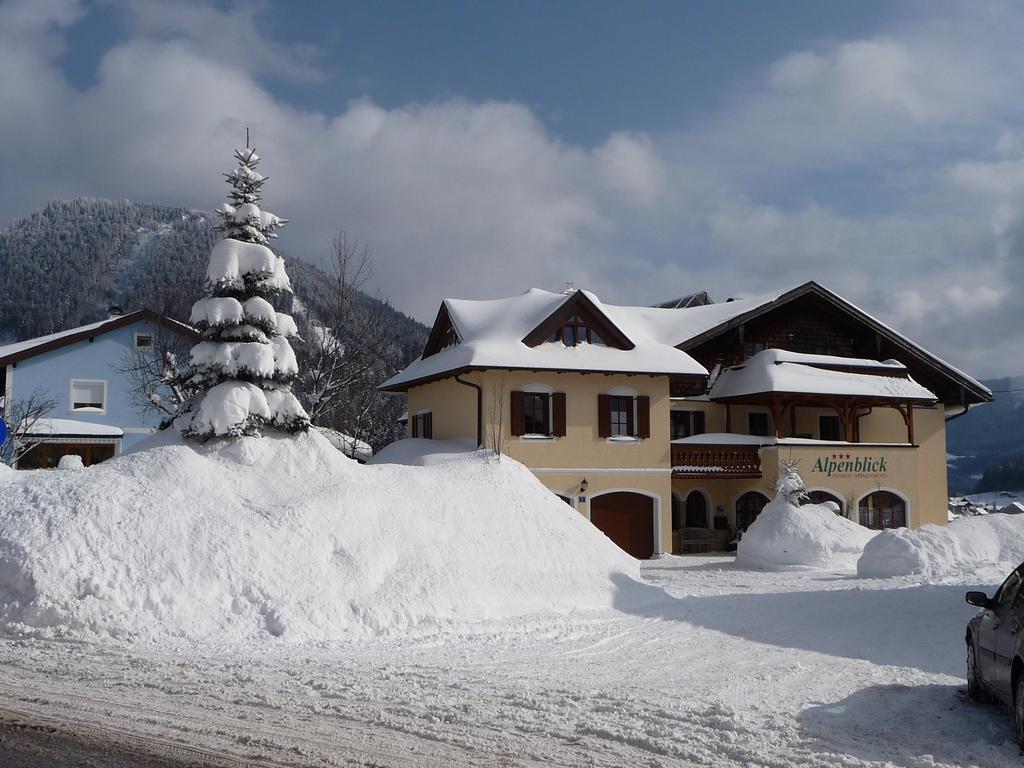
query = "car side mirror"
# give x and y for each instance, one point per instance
(979, 599)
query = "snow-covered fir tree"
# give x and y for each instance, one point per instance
(790, 486)
(244, 365)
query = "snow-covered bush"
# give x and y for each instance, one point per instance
(787, 534)
(963, 546)
(244, 365)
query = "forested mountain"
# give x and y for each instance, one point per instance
(67, 264)
(986, 436)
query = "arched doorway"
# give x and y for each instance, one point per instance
(748, 507)
(626, 518)
(820, 497)
(678, 512)
(883, 509)
(696, 510)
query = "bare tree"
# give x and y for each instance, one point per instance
(496, 416)
(153, 373)
(22, 419)
(346, 344)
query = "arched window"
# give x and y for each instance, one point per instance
(748, 507)
(883, 509)
(696, 510)
(820, 497)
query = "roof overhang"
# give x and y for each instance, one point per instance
(405, 386)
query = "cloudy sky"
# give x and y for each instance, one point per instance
(643, 150)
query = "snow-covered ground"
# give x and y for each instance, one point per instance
(732, 667)
(272, 601)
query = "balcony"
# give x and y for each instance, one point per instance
(715, 460)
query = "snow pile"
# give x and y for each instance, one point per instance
(420, 452)
(994, 542)
(70, 461)
(785, 535)
(285, 537)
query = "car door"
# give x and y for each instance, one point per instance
(997, 634)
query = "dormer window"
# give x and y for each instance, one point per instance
(575, 331)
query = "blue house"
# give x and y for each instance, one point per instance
(96, 415)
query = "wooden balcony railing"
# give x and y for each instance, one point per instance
(694, 460)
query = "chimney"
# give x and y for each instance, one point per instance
(113, 311)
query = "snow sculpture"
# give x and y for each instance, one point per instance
(244, 365)
(790, 486)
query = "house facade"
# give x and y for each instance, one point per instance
(667, 426)
(96, 414)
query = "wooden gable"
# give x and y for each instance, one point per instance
(443, 334)
(581, 306)
(812, 320)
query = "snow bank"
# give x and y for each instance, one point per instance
(965, 545)
(420, 452)
(285, 537)
(808, 536)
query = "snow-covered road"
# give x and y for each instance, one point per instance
(738, 667)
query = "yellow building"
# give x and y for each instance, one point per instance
(666, 426)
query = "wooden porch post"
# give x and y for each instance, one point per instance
(846, 414)
(778, 412)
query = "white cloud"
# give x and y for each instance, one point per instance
(232, 37)
(481, 199)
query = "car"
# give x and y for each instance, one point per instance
(995, 648)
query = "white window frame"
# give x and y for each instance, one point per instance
(143, 333)
(71, 396)
(632, 394)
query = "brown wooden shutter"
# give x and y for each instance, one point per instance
(604, 416)
(643, 416)
(428, 426)
(699, 427)
(558, 414)
(415, 423)
(518, 422)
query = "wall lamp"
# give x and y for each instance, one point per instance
(584, 485)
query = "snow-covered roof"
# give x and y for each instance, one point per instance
(778, 371)
(675, 325)
(21, 350)
(68, 427)
(695, 322)
(491, 335)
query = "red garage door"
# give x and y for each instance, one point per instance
(627, 519)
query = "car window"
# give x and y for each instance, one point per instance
(1008, 591)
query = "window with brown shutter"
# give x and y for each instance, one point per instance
(623, 423)
(536, 414)
(643, 417)
(604, 416)
(558, 414)
(518, 422)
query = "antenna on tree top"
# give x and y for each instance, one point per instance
(247, 137)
